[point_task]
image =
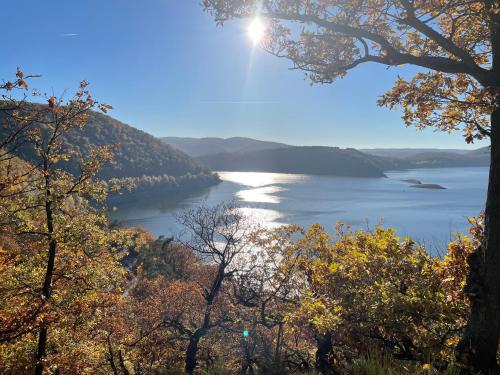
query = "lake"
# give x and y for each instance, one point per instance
(431, 217)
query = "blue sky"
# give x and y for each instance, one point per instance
(167, 69)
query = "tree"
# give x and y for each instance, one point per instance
(372, 290)
(164, 290)
(457, 46)
(59, 255)
(219, 236)
(266, 297)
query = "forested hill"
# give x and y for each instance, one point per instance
(138, 155)
(307, 160)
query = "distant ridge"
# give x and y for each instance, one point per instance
(409, 152)
(211, 145)
(476, 158)
(241, 153)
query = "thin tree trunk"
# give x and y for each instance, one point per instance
(192, 349)
(111, 358)
(41, 350)
(122, 363)
(47, 284)
(192, 354)
(478, 348)
(42, 336)
(247, 357)
(277, 353)
(324, 351)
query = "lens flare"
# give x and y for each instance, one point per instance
(256, 31)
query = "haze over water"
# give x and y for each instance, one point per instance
(431, 217)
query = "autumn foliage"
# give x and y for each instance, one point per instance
(79, 295)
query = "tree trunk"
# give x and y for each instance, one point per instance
(246, 365)
(46, 291)
(111, 357)
(192, 354)
(477, 349)
(122, 363)
(324, 351)
(47, 283)
(41, 350)
(277, 353)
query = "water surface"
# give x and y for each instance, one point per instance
(430, 216)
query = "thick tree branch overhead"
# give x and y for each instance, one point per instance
(446, 39)
(390, 54)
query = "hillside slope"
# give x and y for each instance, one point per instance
(307, 160)
(139, 155)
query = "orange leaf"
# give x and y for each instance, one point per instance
(22, 84)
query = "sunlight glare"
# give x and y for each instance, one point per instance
(256, 31)
(260, 179)
(264, 194)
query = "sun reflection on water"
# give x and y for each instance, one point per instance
(262, 189)
(261, 195)
(258, 179)
(263, 216)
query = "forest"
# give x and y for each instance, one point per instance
(80, 295)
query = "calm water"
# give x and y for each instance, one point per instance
(429, 216)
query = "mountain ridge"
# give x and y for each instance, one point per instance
(385, 159)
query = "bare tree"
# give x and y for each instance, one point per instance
(219, 235)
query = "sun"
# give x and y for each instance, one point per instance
(256, 31)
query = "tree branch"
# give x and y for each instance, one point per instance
(393, 56)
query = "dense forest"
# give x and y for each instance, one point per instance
(474, 158)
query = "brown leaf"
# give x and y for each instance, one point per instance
(105, 107)
(22, 84)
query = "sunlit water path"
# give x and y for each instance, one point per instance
(429, 216)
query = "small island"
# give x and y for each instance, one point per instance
(412, 181)
(428, 186)
(418, 184)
